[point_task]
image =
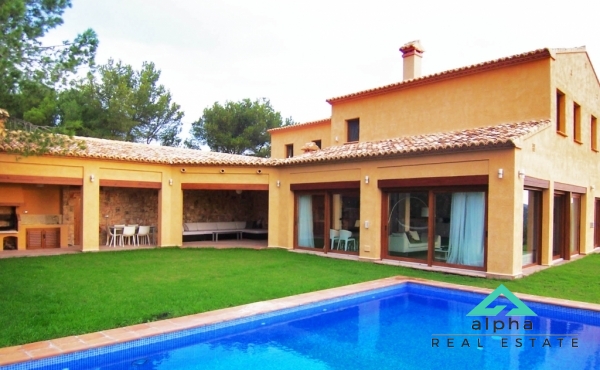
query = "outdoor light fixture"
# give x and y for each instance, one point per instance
(592, 187)
(521, 174)
(278, 183)
(500, 173)
(92, 178)
(366, 179)
(170, 181)
(238, 192)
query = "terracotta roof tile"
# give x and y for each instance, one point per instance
(137, 152)
(326, 120)
(474, 68)
(490, 137)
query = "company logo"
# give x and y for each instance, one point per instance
(483, 309)
(503, 331)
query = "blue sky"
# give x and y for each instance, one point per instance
(300, 53)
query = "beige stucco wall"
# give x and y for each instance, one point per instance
(298, 136)
(554, 157)
(501, 214)
(511, 94)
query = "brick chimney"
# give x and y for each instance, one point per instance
(412, 53)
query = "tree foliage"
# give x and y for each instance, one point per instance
(121, 103)
(237, 127)
(30, 71)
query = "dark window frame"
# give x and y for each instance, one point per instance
(353, 130)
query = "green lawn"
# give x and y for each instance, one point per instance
(50, 297)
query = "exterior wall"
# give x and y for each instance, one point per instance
(298, 136)
(557, 157)
(501, 261)
(511, 94)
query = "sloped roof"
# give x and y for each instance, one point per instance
(466, 70)
(137, 152)
(485, 138)
(326, 120)
(491, 137)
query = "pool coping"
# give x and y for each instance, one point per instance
(65, 345)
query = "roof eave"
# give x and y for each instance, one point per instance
(410, 154)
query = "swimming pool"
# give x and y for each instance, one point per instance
(389, 328)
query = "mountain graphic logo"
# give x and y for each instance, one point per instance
(483, 309)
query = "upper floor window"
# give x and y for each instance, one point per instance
(289, 150)
(594, 132)
(577, 122)
(353, 129)
(560, 112)
(318, 143)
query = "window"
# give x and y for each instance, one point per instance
(594, 132)
(353, 130)
(289, 150)
(577, 123)
(318, 143)
(560, 113)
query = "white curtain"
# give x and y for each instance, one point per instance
(467, 218)
(306, 236)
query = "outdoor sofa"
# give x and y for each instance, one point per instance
(215, 228)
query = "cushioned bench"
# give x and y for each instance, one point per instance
(216, 228)
(399, 242)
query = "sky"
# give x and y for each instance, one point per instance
(297, 54)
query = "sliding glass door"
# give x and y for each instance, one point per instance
(575, 224)
(310, 221)
(559, 225)
(451, 231)
(328, 221)
(408, 230)
(466, 236)
(532, 225)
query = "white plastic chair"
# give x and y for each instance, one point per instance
(129, 234)
(114, 235)
(143, 234)
(334, 236)
(345, 236)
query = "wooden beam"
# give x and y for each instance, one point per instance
(22, 179)
(434, 181)
(536, 183)
(326, 185)
(216, 186)
(569, 188)
(130, 184)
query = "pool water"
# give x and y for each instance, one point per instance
(390, 328)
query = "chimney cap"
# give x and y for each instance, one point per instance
(413, 47)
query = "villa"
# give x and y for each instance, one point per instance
(491, 167)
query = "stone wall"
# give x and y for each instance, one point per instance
(225, 205)
(128, 206)
(71, 198)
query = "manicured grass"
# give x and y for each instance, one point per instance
(50, 297)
